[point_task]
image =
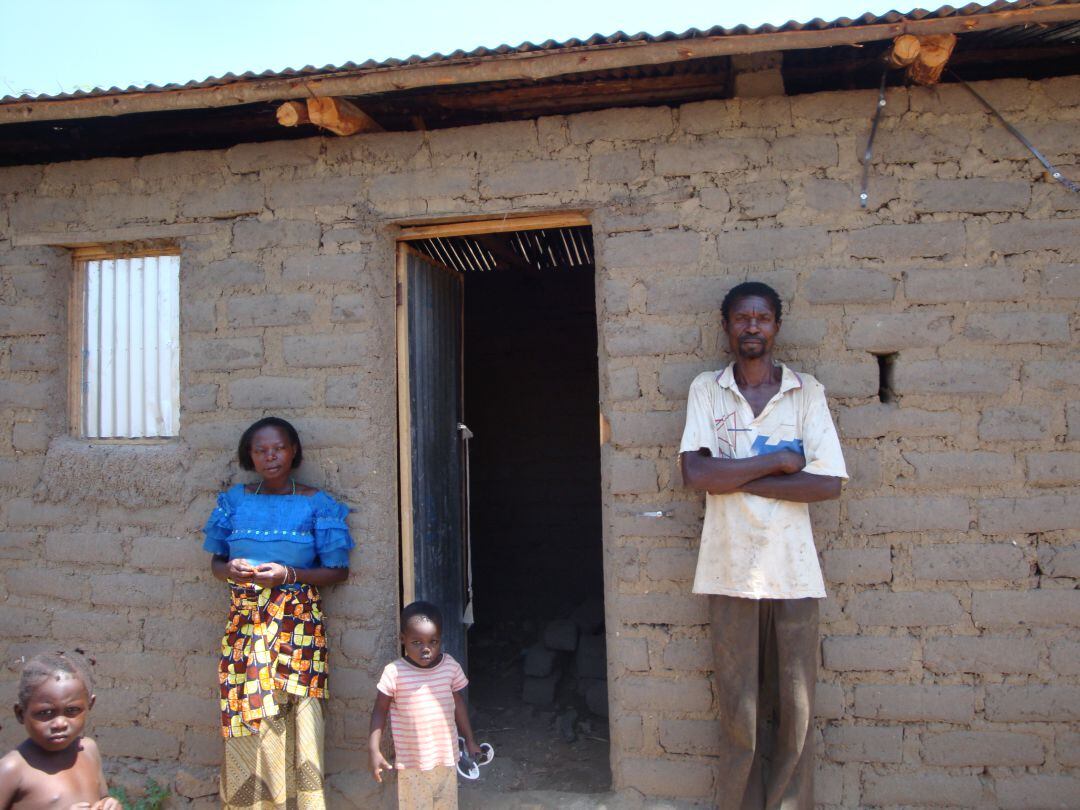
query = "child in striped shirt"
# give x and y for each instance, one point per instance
(422, 693)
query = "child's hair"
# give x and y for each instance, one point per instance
(44, 666)
(421, 610)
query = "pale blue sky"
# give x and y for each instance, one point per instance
(54, 46)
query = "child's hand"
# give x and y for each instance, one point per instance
(108, 803)
(378, 765)
(474, 750)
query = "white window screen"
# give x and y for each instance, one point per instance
(131, 349)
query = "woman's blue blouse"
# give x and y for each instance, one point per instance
(304, 531)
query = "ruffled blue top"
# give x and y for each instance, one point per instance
(304, 531)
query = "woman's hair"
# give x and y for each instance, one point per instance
(44, 666)
(421, 610)
(243, 451)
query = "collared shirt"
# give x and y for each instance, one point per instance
(751, 546)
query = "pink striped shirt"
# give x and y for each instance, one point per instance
(422, 711)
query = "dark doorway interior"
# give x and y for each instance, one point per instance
(536, 658)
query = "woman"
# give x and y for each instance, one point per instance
(275, 542)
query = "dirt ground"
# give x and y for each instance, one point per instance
(562, 748)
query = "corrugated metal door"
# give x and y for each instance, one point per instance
(432, 302)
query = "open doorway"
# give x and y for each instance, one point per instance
(527, 467)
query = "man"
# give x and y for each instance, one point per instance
(760, 442)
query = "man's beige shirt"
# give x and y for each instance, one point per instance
(755, 547)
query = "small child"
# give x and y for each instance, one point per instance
(422, 693)
(55, 766)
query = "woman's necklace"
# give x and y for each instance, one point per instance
(259, 487)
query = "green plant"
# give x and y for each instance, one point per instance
(153, 800)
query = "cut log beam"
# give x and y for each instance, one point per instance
(905, 50)
(934, 53)
(293, 113)
(340, 116)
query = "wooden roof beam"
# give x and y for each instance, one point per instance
(532, 65)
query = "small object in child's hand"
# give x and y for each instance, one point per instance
(468, 767)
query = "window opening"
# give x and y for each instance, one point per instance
(886, 366)
(129, 346)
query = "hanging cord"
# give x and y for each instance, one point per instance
(1057, 175)
(868, 155)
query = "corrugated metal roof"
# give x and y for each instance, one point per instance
(597, 40)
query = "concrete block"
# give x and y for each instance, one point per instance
(102, 547)
(902, 242)
(677, 564)
(922, 789)
(976, 196)
(864, 743)
(252, 234)
(1061, 281)
(539, 661)
(676, 295)
(1042, 328)
(649, 429)
(698, 737)
(223, 354)
(867, 653)
(232, 201)
(596, 698)
(19, 545)
(891, 333)
(343, 190)
(908, 609)
(858, 566)
(153, 553)
(631, 654)
(1063, 561)
(329, 269)
(1050, 375)
(1032, 703)
(982, 748)
(350, 308)
(646, 338)
(981, 655)
(957, 562)
(1031, 791)
(877, 421)
(346, 391)
(37, 354)
(257, 157)
(327, 351)
(1037, 608)
(540, 691)
(231, 273)
(1011, 424)
(771, 244)
(615, 167)
(528, 177)
(622, 384)
(1068, 748)
(710, 155)
(635, 124)
(761, 199)
(1031, 235)
(43, 585)
(561, 634)
(844, 286)
(198, 398)
(630, 475)
(938, 145)
(271, 392)
(133, 590)
(36, 396)
(908, 514)
(270, 310)
(1053, 469)
(651, 249)
(684, 609)
(652, 694)
(591, 658)
(46, 213)
(953, 377)
(675, 778)
(99, 628)
(136, 741)
(1040, 513)
(801, 152)
(828, 701)
(916, 703)
(926, 286)
(675, 378)
(858, 377)
(413, 187)
(16, 623)
(694, 655)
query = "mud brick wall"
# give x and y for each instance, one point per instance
(951, 637)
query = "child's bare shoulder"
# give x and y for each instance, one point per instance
(13, 768)
(12, 762)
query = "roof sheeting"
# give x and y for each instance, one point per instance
(619, 38)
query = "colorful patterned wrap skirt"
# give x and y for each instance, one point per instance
(272, 675)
